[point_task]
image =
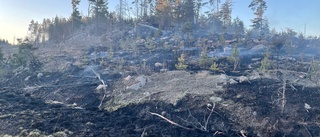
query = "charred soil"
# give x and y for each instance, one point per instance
(111, 97)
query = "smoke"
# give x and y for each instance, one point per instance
(244, 52)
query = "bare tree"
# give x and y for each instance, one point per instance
(212, 2)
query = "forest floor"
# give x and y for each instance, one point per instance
(64, 98)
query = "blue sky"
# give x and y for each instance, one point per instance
(15, 15)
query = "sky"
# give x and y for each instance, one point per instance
(15, 15)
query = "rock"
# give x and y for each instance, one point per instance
(157, 64)
(223, 76)
(27, 78)
(307, 106)
(303, 76)
(39, 75)
(258, 48)
(101, 86)
(215, 99)
(138, 83)
(243, 79)
(163, 70)
(232, 81)
(127, 78)
(254, 75)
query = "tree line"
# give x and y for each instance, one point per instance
(4, 41)
(186, 16)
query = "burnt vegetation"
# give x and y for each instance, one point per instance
(160, 68)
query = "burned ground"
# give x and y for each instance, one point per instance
(243, 108)
(62, 98)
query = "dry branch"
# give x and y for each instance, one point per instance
(170, 121)
(102, 86)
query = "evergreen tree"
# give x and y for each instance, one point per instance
(45, 29)
(100, 13)
(100, 8)
(258, 6)
(35, 31)
(75, 16)
(225, 13)
(3, 41)
(59, 29)
(265, 30)
(188, 12)
(163, 12)
(197, 6)
(185, 15)
(238, 26)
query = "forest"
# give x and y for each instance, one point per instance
(187, 17)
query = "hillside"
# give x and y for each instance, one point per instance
(85, 88)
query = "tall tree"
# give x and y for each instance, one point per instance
(144, 8)
(34, 31)
(100, 13)
(163, 12)
(137, 6)
(225, 13)
(152, 4)
(100, 8)
(122, 10)
(258, 6)
(197, 7)
(237, 27)
(217, 2)
(59, 29)
(45, 25)
(185, 12)
(75, 16)
(265, 30)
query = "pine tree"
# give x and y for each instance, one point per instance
(100, 13)
(258, 6)
(163, 11)
(100, 8)
(225, 13)
(35, 30)
(237, 27)
(181, 63)
(188, 11)
(75, 16)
